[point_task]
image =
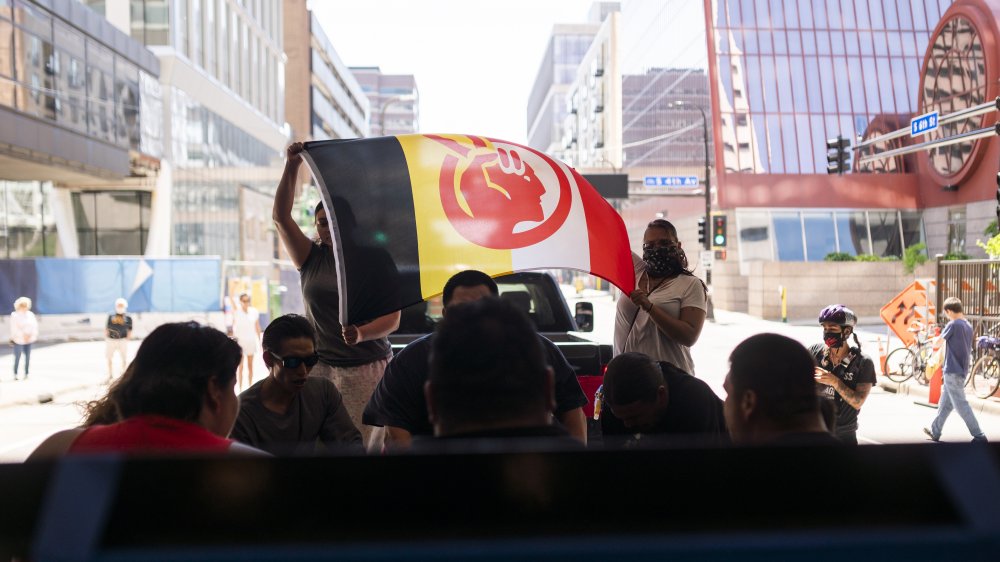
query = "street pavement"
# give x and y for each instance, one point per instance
(66, 375)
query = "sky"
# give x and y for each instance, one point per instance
(475, 61)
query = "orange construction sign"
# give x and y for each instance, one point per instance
(904, 309)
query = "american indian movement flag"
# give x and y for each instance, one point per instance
(409, 211)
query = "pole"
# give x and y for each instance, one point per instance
(708, 193)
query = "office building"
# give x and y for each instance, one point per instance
(394, 100)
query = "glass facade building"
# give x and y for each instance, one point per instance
(225, 114)
(94, 110)
(788, 76)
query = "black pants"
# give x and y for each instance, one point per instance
(848, 437)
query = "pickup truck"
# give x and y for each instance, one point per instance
(537, 294)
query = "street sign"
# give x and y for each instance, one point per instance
(671, 181)
(907, 307)
(707, 259)
(923, 124)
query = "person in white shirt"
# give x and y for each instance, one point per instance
(23, 333)
(246, 331)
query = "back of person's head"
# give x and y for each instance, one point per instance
(468, 278)
(780, 372)
(172, 368)
(284, 328)
(632, 377)
(953, 304)
(487, 365)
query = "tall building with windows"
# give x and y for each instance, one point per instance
(79, 105)
(547, 104)
(788, 76)
(222, 84)
(323, 100)
(394, 100)
(592, 128)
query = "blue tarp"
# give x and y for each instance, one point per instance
(89, 285)
(18, 278)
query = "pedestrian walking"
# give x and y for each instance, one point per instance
(844, 374)
(957, 337)
(246, 330)
(23, 333)
(117, 333)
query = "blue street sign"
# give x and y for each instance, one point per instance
(923, 124)
(670, 181)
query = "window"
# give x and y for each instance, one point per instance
(956, 231)
(112, 222)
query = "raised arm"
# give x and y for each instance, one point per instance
(296, 243)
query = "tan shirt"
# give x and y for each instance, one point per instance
(635, 330)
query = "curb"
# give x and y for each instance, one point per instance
(43, 397)
(988, 406)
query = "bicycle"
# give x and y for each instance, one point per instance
(911, 361)
(986, 372)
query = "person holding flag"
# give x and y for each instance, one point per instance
(663, 317)
(352, 356)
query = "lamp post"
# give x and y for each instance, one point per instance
(385, 106)
(708, 176)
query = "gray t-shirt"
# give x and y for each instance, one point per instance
(635, 331)
(321, 296)
(316, 415)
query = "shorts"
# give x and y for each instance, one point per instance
(119, 346)
(248, 345)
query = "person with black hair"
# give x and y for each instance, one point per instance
(488, 377)
(843, 373)
(398, 401)
(176, 396)
(664, 315)
(654, 402)
(290, 411)
(354, 357)
(772, 401)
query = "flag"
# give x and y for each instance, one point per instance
(408, 212)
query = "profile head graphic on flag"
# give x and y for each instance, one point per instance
(408, 212)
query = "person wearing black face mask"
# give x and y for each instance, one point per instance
(843, 374)
(663, 317)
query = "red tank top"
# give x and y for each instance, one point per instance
(149, 434)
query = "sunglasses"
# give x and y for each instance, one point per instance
(294, 362)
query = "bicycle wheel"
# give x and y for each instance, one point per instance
(920, 360)
(899, 364)
(986, 376)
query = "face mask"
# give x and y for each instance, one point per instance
(833, 339)
(663, 262)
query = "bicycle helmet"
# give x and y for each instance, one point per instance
(838, 314)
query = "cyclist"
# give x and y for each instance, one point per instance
(843, 374)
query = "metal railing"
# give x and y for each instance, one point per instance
(977, 284)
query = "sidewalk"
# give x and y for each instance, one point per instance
(920, 393)
(55, 369)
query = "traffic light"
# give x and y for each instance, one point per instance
(837, 155)
(701, 232)
(719, 235)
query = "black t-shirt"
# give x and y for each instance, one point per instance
(119, 325)
(856, 368)
(693, 416)
(398, 399)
